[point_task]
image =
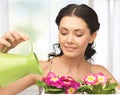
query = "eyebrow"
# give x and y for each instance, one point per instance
(74, 30)
(81, 30)
(63, 28)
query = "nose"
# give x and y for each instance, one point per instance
(70, 39)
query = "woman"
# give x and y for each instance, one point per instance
(77, 25)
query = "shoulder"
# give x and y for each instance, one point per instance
(45, 65)
(98, 68)
(102, 69)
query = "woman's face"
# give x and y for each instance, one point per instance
(74, 36)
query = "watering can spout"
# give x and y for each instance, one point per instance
(14, 67)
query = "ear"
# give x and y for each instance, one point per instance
(92, 37)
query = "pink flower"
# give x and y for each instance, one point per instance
(72, 87)
(93, 79)
(51, 74)
(90, 79)
(66, 81)
(69, 84)
(102, 78)
(52, 80)
(70, 90)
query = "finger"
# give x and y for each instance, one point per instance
(24, 36)
(19, 36)
(15, 35)
(8, 37)
(4, 43)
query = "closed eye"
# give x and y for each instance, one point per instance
(79, 32)
(79, 35)
(63, 33)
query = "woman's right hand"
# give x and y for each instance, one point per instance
(12, 39)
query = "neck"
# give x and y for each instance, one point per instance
(75, 67)
(72, 62)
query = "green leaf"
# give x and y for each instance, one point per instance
(54, 90)
(109, 88)
(50, 89)
(85, 88)
(81, 81)
(41, 83)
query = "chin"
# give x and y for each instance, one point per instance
(71, 55)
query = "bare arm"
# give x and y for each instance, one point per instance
(20, 84)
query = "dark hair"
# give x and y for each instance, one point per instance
(88, 15)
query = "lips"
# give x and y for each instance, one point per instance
(70, 49)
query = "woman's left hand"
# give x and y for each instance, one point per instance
(12, 39)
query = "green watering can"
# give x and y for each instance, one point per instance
(16, 66)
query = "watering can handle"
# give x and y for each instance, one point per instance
(30, 42)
